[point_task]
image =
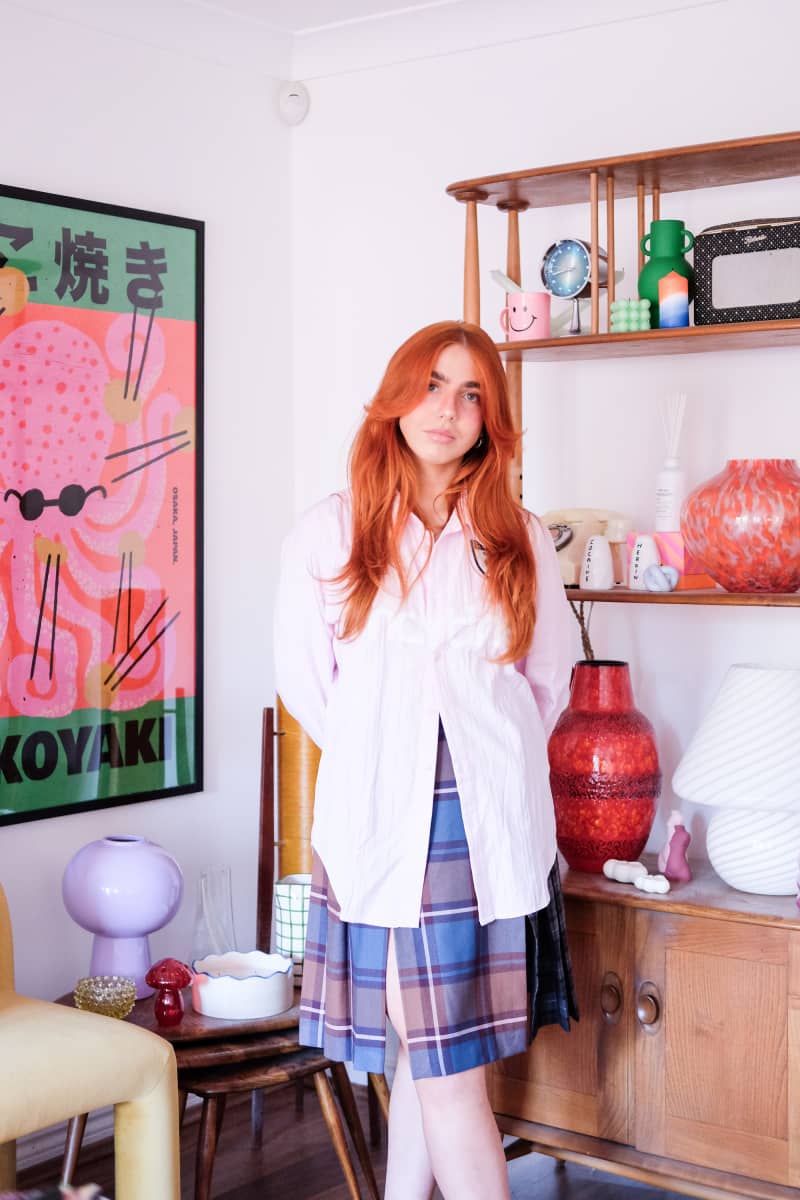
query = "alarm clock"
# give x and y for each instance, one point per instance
(567, 273)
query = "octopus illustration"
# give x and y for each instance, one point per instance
(90, 438)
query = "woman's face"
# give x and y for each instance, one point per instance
(447, 421)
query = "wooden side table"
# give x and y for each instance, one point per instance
(215, 1057)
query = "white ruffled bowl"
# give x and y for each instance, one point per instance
(236, 986)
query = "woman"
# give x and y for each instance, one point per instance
(423, 641)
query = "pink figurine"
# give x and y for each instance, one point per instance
(672, 857)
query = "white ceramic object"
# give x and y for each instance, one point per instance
(657, 885)
(755, 851)
(661, 578)
(237, 986)
(623, 872)
(643, 555)
(597, 569)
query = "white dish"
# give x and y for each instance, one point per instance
(236, 986)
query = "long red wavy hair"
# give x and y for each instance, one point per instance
(383, 482)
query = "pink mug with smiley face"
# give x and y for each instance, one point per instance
(526, 316)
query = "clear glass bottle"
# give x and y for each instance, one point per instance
(617, 530)
(214, 931)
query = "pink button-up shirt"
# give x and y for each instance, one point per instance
(373, 705)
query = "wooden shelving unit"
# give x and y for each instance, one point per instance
(648, 175)
(620, 595)
(697, 339)
(599, 183)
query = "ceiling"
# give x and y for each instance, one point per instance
(298, 17)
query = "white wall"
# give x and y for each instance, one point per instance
(193, 131)
(399, 111)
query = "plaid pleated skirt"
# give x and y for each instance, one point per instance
(471, 993)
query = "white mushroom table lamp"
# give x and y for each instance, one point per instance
(745, 761)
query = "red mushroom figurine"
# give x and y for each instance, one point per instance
(168, 976)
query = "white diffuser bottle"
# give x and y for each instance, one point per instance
(671, 479)
(670, 491)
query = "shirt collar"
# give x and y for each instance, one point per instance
(458, 521)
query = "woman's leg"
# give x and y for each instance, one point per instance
(441, 1127)
(408, 1169)
(463, 1140)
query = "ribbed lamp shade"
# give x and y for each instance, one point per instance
(746, 752)
(745, 760)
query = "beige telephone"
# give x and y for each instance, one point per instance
(571, 529)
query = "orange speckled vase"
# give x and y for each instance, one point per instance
(744, 525)
(604, 772)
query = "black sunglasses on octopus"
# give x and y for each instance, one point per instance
(70, 501)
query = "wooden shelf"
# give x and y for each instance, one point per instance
(712, 164)
(747, 335)
(620, 595)
(705, 891)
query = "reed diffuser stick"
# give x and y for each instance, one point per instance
(673, 410)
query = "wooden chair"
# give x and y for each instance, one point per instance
(281, 1059)
(297, 765)
(214, 1085)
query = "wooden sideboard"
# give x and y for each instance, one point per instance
(684, 1069)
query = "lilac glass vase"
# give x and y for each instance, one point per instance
(122, 888)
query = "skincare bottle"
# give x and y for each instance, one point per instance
(670, 491)
(671, 480)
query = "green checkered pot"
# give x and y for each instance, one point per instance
(291, 919)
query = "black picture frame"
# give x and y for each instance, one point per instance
(101, 505)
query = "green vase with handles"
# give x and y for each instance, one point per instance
(665, 245)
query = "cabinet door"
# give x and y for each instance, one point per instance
(580, 1080)
(712, 1081)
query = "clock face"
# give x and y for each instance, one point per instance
(565, 268)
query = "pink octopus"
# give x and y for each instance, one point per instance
(82, 483)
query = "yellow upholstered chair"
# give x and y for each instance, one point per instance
(58, 1062)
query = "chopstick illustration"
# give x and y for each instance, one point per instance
(144, 354)
(126, 560)
(143, 446)
(35, 654)
(116, 668)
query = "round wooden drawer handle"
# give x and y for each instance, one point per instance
(648, 1009)
(610, 999)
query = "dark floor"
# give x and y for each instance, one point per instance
(297, 1162)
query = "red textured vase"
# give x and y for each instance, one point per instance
(744, 525)
(604, 772)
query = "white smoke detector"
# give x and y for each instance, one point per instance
(293, 101)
